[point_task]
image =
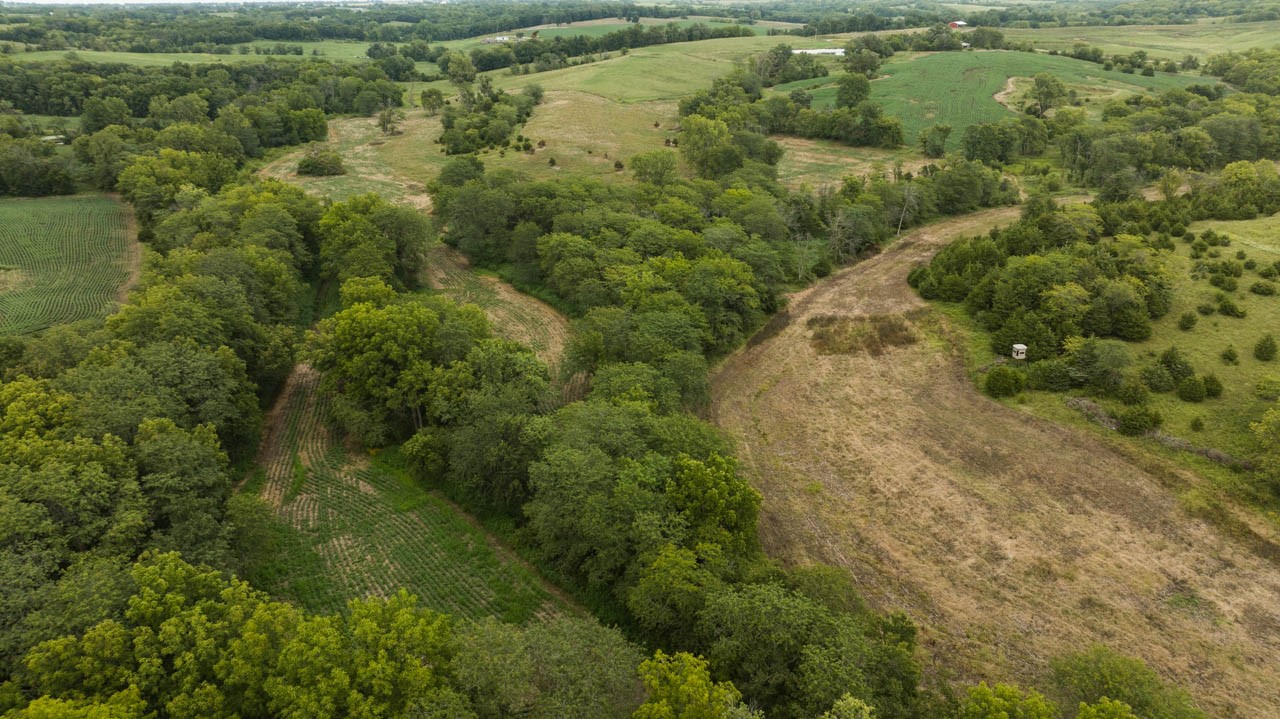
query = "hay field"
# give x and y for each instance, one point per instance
(1009, 538)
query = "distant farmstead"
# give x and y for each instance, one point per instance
(839, 51)
(956, 24)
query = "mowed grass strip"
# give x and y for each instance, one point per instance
(61, 259)
(351, 525)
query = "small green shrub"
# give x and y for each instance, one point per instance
(1132, 392)
(1206, 308)
(1197, 424)
(1262, 287)
(1135, 421)
(1225, 283)
(1230, 356)
(1157, 378)
(321, 161)
(1053, 375)
(1265, 349)
(1251, 264)
(1191, 389)
(1178, 365)
(1187, 321)
(1229, 308)
(1212, 386)
(1099, 672)
(1004, 381)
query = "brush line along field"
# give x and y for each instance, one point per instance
(61, 259)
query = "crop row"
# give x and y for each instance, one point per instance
(68, 260)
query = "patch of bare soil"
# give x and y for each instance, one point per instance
(1005, 96)
(13, 278)
(1008, 538)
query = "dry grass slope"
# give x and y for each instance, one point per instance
(1010, 539)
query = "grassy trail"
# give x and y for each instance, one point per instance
(1009, 538)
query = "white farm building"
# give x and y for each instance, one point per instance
(820, 51)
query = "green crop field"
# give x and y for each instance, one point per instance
(61, 259)
(348, 525)
(958, 88)
(1167, 41)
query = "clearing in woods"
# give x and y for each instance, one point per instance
(1009, 538)
(63, 259)
(513, 314)
(351, 524)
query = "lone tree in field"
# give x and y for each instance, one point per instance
(1046, 91)
(933, 140)
(432, 100)
(852, 89)
(389, 120)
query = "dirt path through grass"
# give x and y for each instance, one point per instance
(1010, 539)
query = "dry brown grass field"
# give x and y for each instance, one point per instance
(1009, 539)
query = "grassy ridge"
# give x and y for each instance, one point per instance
(61, 259)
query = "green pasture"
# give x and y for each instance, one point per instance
(61, 259)
(1166, 41)
(1226, 419)
(958, 88)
